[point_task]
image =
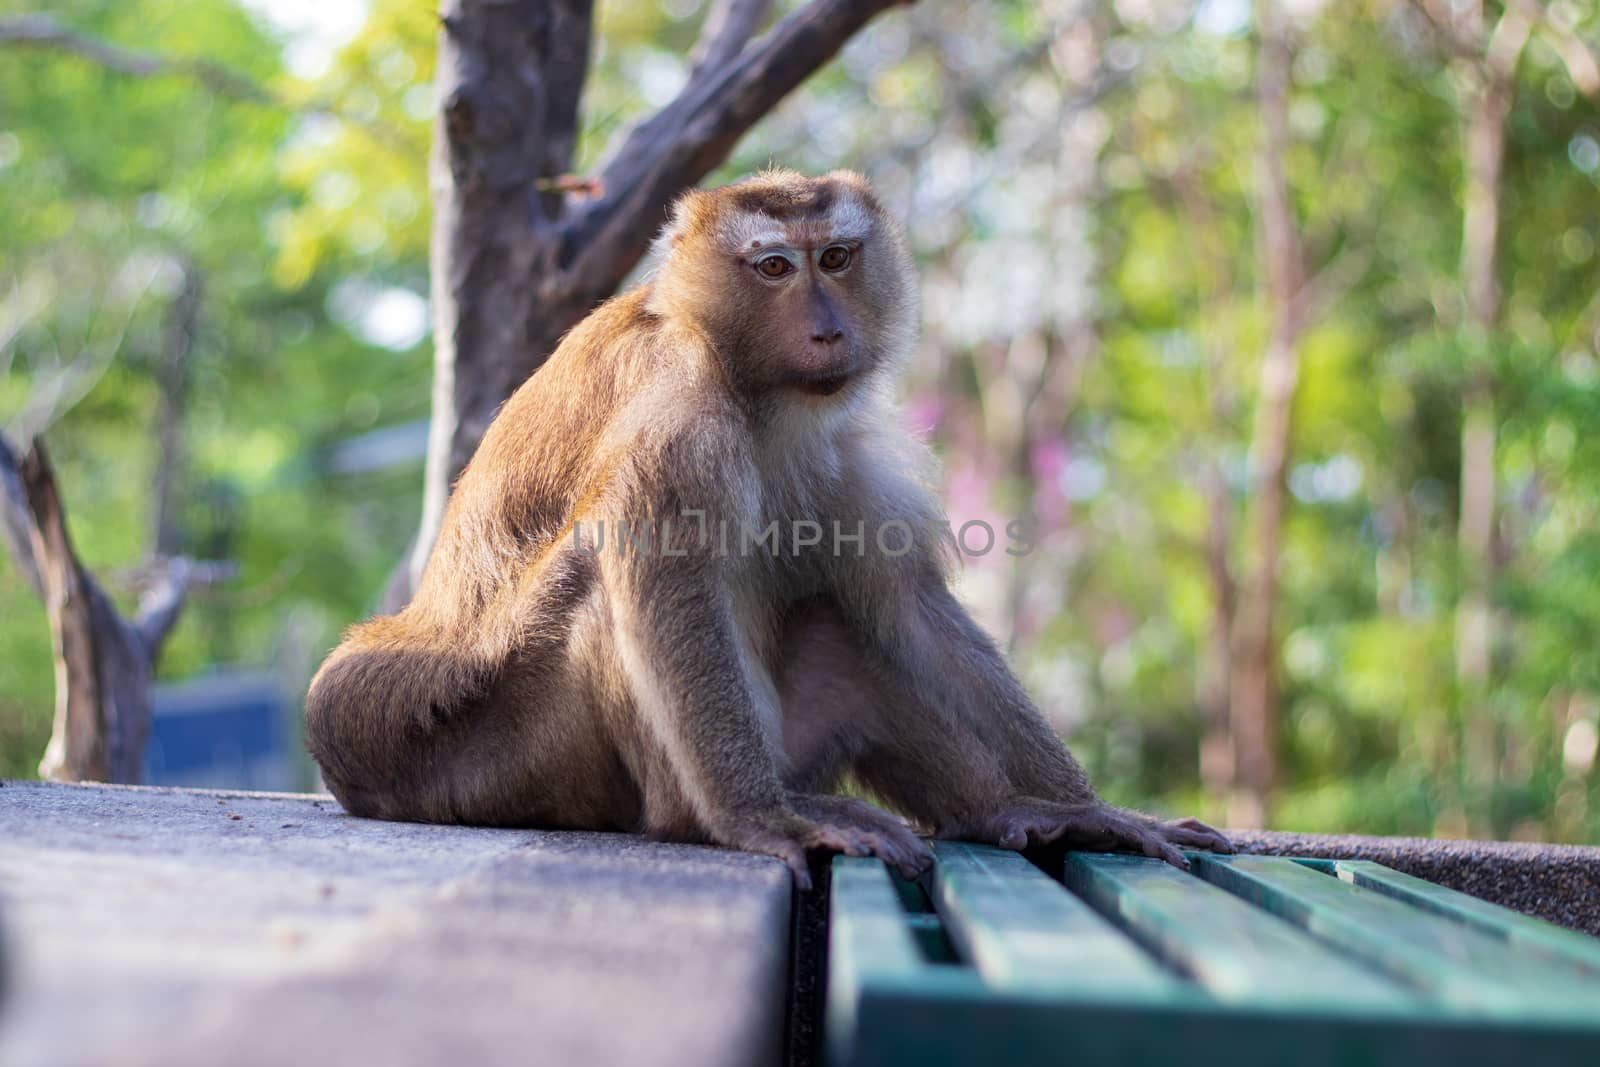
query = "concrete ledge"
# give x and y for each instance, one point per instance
(174, 927)
(1560, 883)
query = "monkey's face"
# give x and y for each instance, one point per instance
(807, 336)
(803, 283)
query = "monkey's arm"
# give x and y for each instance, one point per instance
(677, 645)
(695, 686)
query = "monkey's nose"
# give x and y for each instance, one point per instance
(827, 336)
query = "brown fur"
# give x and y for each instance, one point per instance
(686, 692)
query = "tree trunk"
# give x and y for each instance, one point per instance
(520, 256)
(1488, 92)
(509, 79)
(1254, 709)
(101, 722)
(103, 662)
(1214, 683)
(1484, 144)
(1218, 761)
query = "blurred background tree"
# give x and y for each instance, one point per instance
(1087, 187)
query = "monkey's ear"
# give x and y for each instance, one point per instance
(680, 220)
(665, 240)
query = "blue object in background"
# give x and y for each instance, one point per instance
(224, 731)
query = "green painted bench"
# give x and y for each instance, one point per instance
(1244, 960)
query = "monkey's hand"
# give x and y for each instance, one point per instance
(861, 825)
(832, 824)
(1099, 827)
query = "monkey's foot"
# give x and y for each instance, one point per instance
(1100, 828)
(834, 824)
(1191, 833)
(856, 828)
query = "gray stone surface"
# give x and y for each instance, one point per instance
(178, 927)
(1559, 883)
(175, 927)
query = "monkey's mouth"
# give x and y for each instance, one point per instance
(826, 385)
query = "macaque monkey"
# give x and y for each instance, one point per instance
(784, 622)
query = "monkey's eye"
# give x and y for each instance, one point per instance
(834, 257)
(774, 266)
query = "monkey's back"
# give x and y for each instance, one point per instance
(442, 659)
(537, 459)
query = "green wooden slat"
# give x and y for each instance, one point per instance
(873, 956)
(1462, 967)
(1024, 932)
(868, 921)
(1520, 930)
(869, 943)
(1238, 953)
(890, 1005)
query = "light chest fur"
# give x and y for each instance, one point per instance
(802, 467)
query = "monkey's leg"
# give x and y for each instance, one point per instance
(941, 664)
(826, 695)
(696, 693)
(840, 713)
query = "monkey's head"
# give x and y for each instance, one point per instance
(804, 285)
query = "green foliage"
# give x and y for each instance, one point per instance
(1091, 197)
(1373, 735)
(112, 186)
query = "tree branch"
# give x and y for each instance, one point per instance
(45, 31)
(53, 396)
(1282, 253)
(564, 78)
(160, 607)
(166, 592)
(80, 740)
(681, 143)
(103, 662)
(729, 26)
(1461, 45)
(1507, 40)
(16, 521)
(1328, 286)
(1582, 65)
